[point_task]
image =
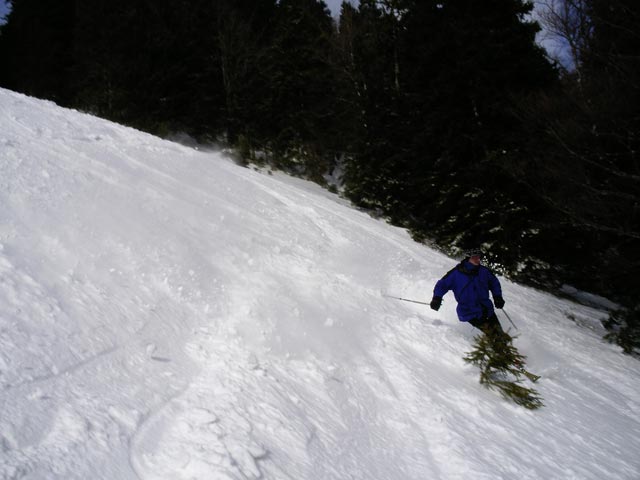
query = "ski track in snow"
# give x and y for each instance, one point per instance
(167, 314)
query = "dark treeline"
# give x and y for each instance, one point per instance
(445, 116)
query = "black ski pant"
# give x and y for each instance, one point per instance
(490, 326)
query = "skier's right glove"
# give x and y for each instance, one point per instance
(435, 303)
(499, 302)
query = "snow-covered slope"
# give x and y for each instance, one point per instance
(167, 314)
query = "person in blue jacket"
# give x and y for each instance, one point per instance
(471, 283)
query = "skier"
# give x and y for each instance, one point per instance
(471, 283)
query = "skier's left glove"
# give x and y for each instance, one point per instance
(499, 302)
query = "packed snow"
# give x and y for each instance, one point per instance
(168, 314)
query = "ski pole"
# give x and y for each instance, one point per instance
(514, 325)
(406, 300)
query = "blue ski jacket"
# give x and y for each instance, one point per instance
(471, 285)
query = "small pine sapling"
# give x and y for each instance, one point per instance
(502, 367)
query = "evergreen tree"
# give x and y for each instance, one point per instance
(36, 48)
(584, 164)
(368, 37)
(245, 36)
(300, 68)
(440, 82)
(105, 42)
(154, 65)
(502, 368)
(475, 60)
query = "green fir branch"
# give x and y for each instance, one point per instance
(502, 368)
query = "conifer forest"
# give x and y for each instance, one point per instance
(444, 117)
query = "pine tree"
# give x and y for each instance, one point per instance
(301, 86)
(369, 40)
(502, 368)
(155, 65)
(36, 49)
(438, 84)
(612, 79)
(465, 65)
(580, 161)
(245, 34)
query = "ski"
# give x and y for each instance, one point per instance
(531, 376)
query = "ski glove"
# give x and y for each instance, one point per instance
(435, 303)
(499, 302)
